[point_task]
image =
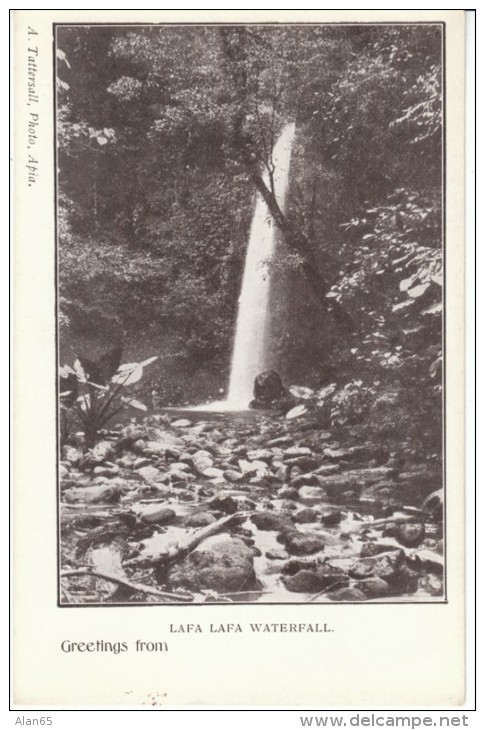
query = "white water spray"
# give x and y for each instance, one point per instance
(248, 357)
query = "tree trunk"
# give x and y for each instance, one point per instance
(298, 242)
(234, 52)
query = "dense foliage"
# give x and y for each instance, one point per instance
(163, 135)
(91, 394)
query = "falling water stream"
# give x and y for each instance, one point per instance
(248, 356)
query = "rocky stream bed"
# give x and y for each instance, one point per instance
(207, 507)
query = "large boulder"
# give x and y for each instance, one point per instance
(223, 564)
(269, 392)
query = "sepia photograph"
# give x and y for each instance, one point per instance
(239, 361)
(250, 243)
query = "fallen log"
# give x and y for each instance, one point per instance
(135, 587)
(375, 524)
(185, 545)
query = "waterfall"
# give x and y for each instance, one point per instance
(248, 357)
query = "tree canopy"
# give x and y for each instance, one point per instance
(164, 134)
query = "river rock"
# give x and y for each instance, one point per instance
(210, 446)
(94, 495)
(281, 473)
(256, 467)
(432, 584)
(287, 493)
(410, 534)
(294, 472)
(63, 471)
(202, 460)
(296, 451)
(183, 494)
(384, 565)
(137, 463)
(157, 448)
(213, 473)
(177, 479)
(179, 466)
(296, 412)
(149, 473)
(233, 476)
(86, 522)
(287, 505)
(106, 471)
(139, 446)
(220, 563)
(294, 565)
(382, 490)
(127, 462)
(230, 443)
(155, 514)
(430, 560)
(347, 594)
(312, 494)
(332, 454)
(260, 455)
(200, 519)
(280, 441)
(154, 490)
(391, 567)
(165, 443)
(270, 521)
(277, 459)
(374, 587)
(304, 463)
(331, 517)
(306, 515)
(434, 504)
(301, 543)
(269, 391)
(311, 480)
(314, 581)
(175, 453)
(370, 549)
(244, 504)
(223, 503)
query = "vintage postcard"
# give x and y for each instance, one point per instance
(239, 393)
